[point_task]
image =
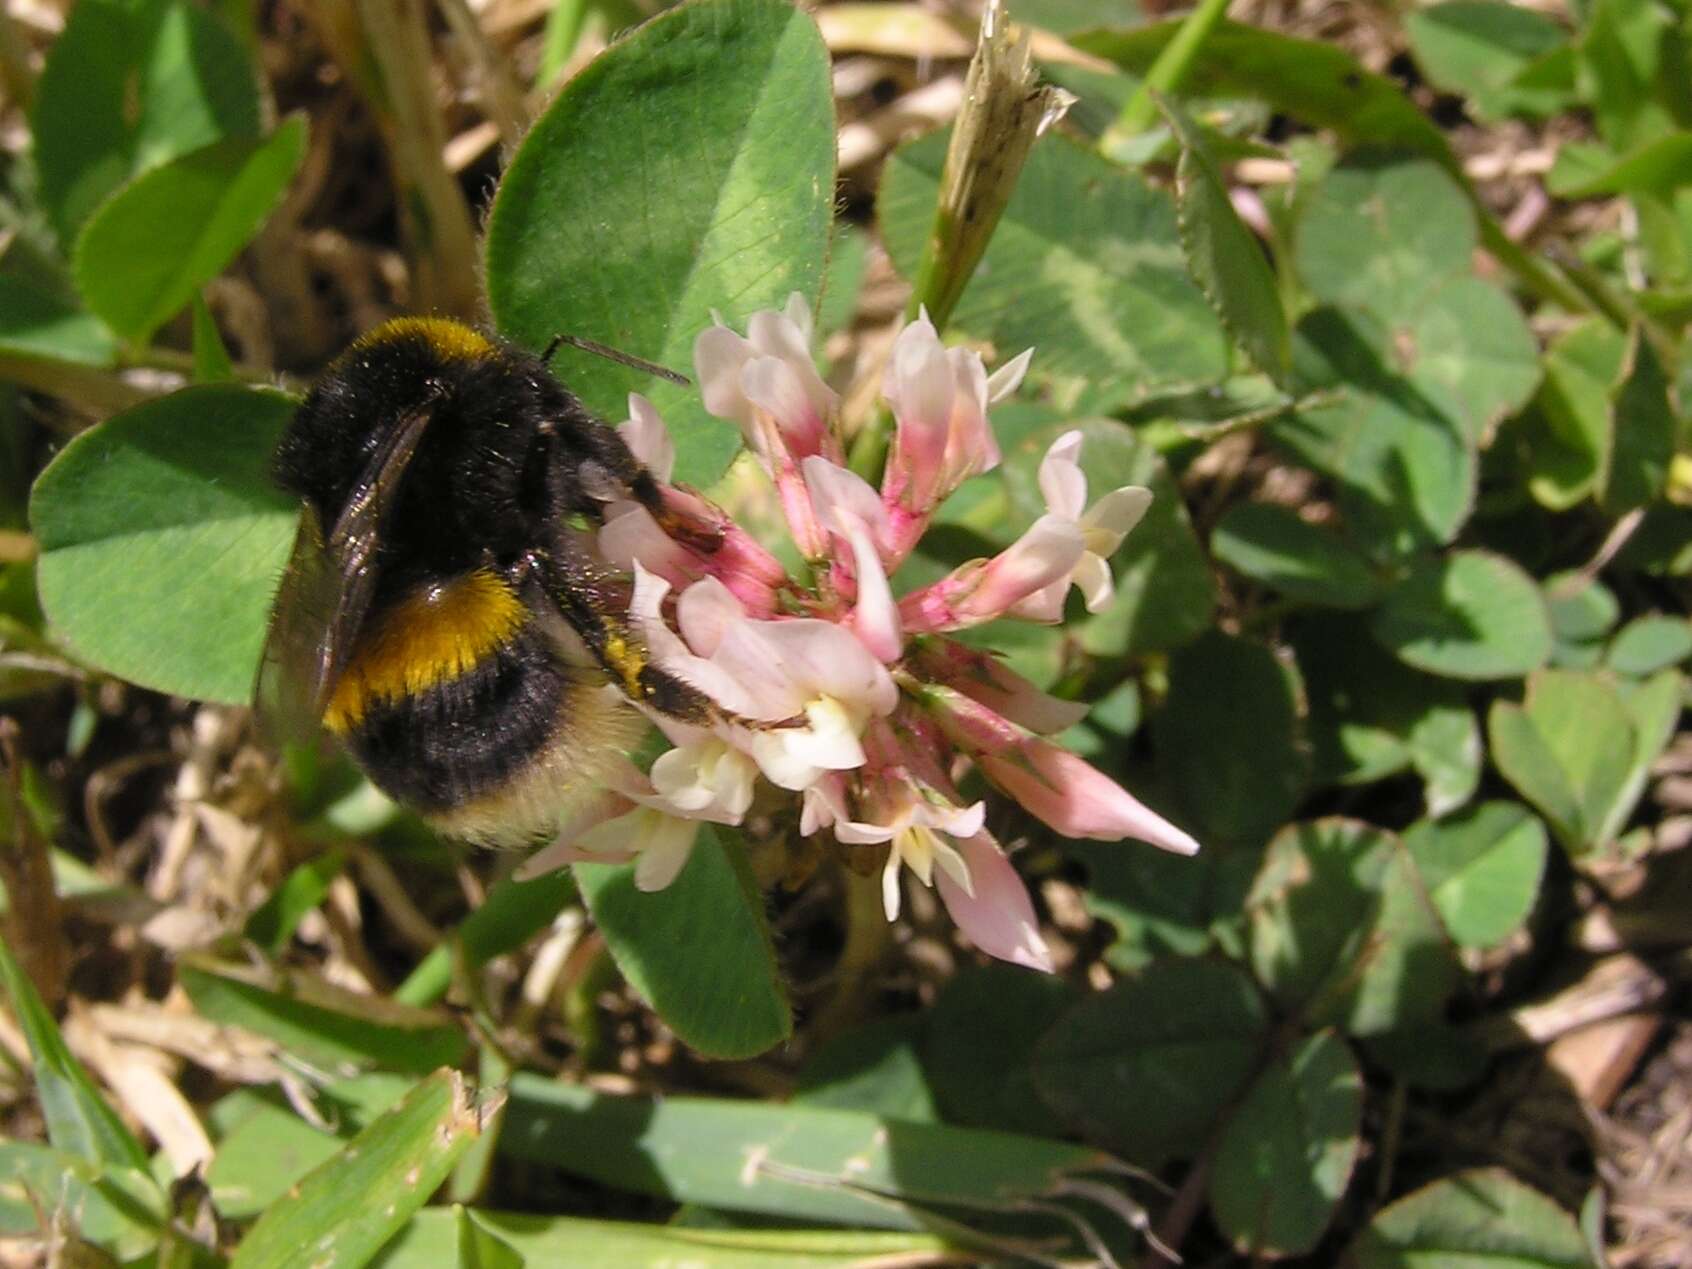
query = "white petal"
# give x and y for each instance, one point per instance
(1113, 516)
(665, 853)
(705, 611)
(1061, 480)
(718, 357)
(630, 534)
(798, 311)
(959, 821)
(837, 493)
(1092, 575)
(890, 888)
(1008, 378)
(647, 437)
(773, 386)
(825, 659)
(1044, 605)
(919, 385)
(857, 833)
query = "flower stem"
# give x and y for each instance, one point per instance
(1167, 71)
(868, 938)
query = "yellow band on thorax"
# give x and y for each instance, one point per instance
(432, 636)
(449, 340)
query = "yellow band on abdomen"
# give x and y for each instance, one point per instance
(432, 636)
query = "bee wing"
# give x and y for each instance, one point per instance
(327, 591)
(296, 648)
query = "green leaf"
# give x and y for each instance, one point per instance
(1086, 267)
(513, 912)
(980, 1038)
(211, 358)
(1234, 759)
(1631, 70)
(342, 1213)
(1382, 231)
(1404, 471)
(1342, 932)
(1480, 1219)
(1164, 591)
(1147, 1066)
(1643, 429)
(1224, 256)
(698, 951)
(1318, 83)
(150, 247)
(1466, 615)
(119, 1210)
(1286, 1156)
(1157, 903)
(1583, 610)
(273, 922)
(875, 1067)
(1482, 869)
(128, 86)
(1274, 545)
(689, 167)
(264, 1155)
(321, 1023)
(1580, 752)
(162, 540)
(1425, 357)
(1446, 750)
(796, 1162)
(435, 1236)
(79, 1121)
(1660, 166)
(1481, 49)
(1370, 715)
(264, 1148)
(35, 324)
(1569, 434)
(1648, 644)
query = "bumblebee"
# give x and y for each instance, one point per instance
(445, 616)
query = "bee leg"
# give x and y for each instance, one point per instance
(590, 465)
(577, 587)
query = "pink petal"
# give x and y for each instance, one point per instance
(840, 495)
(1047, 553)
(1079, 800)
(775, 387)
(875, 617)
(999, 917)
(989, 682)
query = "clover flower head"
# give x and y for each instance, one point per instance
(836, 698)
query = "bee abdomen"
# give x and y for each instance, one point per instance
(449, 691)
(465, 737)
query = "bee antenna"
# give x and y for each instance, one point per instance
(611, 354)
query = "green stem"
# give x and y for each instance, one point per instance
(1168, 70)
(563, 32)
(1533, 273)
